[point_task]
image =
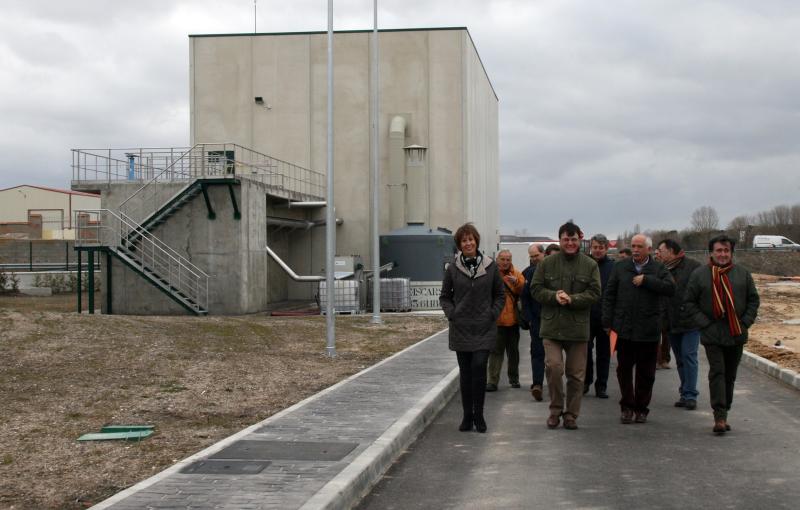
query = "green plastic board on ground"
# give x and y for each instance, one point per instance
(133, 435)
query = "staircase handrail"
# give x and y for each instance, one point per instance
(171, 166)
(198, 292)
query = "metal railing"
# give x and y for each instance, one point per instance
(102, 227)
(204, 160)
(133, 164)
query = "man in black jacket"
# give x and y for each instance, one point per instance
(684, 337)
(598, 338)
(631, 308)
(722, 300)
(531, 310)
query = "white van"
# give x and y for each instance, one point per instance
(774, 242)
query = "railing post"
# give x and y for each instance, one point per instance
(202, 161)
(80, 269)
(91, 281)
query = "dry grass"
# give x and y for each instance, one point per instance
(197, 379)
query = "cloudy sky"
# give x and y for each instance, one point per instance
(612, 113)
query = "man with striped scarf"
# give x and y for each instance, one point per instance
(722, 301)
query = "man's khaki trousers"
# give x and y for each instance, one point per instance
(555, 365)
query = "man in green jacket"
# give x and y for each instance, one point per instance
(566, 284)
(722, 300)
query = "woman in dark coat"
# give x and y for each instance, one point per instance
(472, 299)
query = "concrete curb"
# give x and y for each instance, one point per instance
(772, 369)
(356, 480)
(444, 389)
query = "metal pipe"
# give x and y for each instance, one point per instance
(330, 228)
(294, 276)
(376, 287)
(304, 224)
(291, 205)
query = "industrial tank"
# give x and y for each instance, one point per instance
(419, 252)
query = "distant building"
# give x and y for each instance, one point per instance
(38, 212)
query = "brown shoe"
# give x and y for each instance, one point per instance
(640, 418)
(570, 423)
(719, 427)
(627, 416)
(664, 365)
(552, 421)
(536, 393)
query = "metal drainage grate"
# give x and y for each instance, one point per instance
(285, 450)
(225, 467)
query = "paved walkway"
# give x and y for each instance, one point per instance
(673, 461)
(324, 452)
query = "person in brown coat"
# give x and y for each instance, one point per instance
(472, 298)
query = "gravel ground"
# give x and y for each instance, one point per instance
(197, 380)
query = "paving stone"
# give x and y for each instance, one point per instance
(356, 412)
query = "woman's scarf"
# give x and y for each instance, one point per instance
(722, 297)
(472, 263)
(672, 264)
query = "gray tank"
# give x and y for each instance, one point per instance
(420, 252)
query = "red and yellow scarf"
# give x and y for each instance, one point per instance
(722, 298)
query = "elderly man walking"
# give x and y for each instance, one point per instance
(722, 300)
(507, 326)
(566, 284)
(531, 310)
(683, 335)
(631, 307)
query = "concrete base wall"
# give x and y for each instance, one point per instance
(231, 251)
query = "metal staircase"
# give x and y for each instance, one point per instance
(160, 265)
(127, 233)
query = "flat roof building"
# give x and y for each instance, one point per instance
(264, 96)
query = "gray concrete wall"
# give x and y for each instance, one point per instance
(231, 251)
(481, 154)
(431, 77)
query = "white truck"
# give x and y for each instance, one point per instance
(773, 242)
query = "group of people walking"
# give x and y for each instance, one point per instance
(581, 308)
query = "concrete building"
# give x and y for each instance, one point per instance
(266, 94)
(434, 92)
(37, 212)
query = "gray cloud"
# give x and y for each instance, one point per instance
(611, 113)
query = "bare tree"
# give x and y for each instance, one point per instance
(782, 214)
(765, 219)
(796, 214)
(705, 219)
(739, 223)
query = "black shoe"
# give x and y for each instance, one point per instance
(586, 388)
(480, 424)
(466, 424)
(681, 403)
(491, 387)
(691, 405)
(515, 385)
(601, 393)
